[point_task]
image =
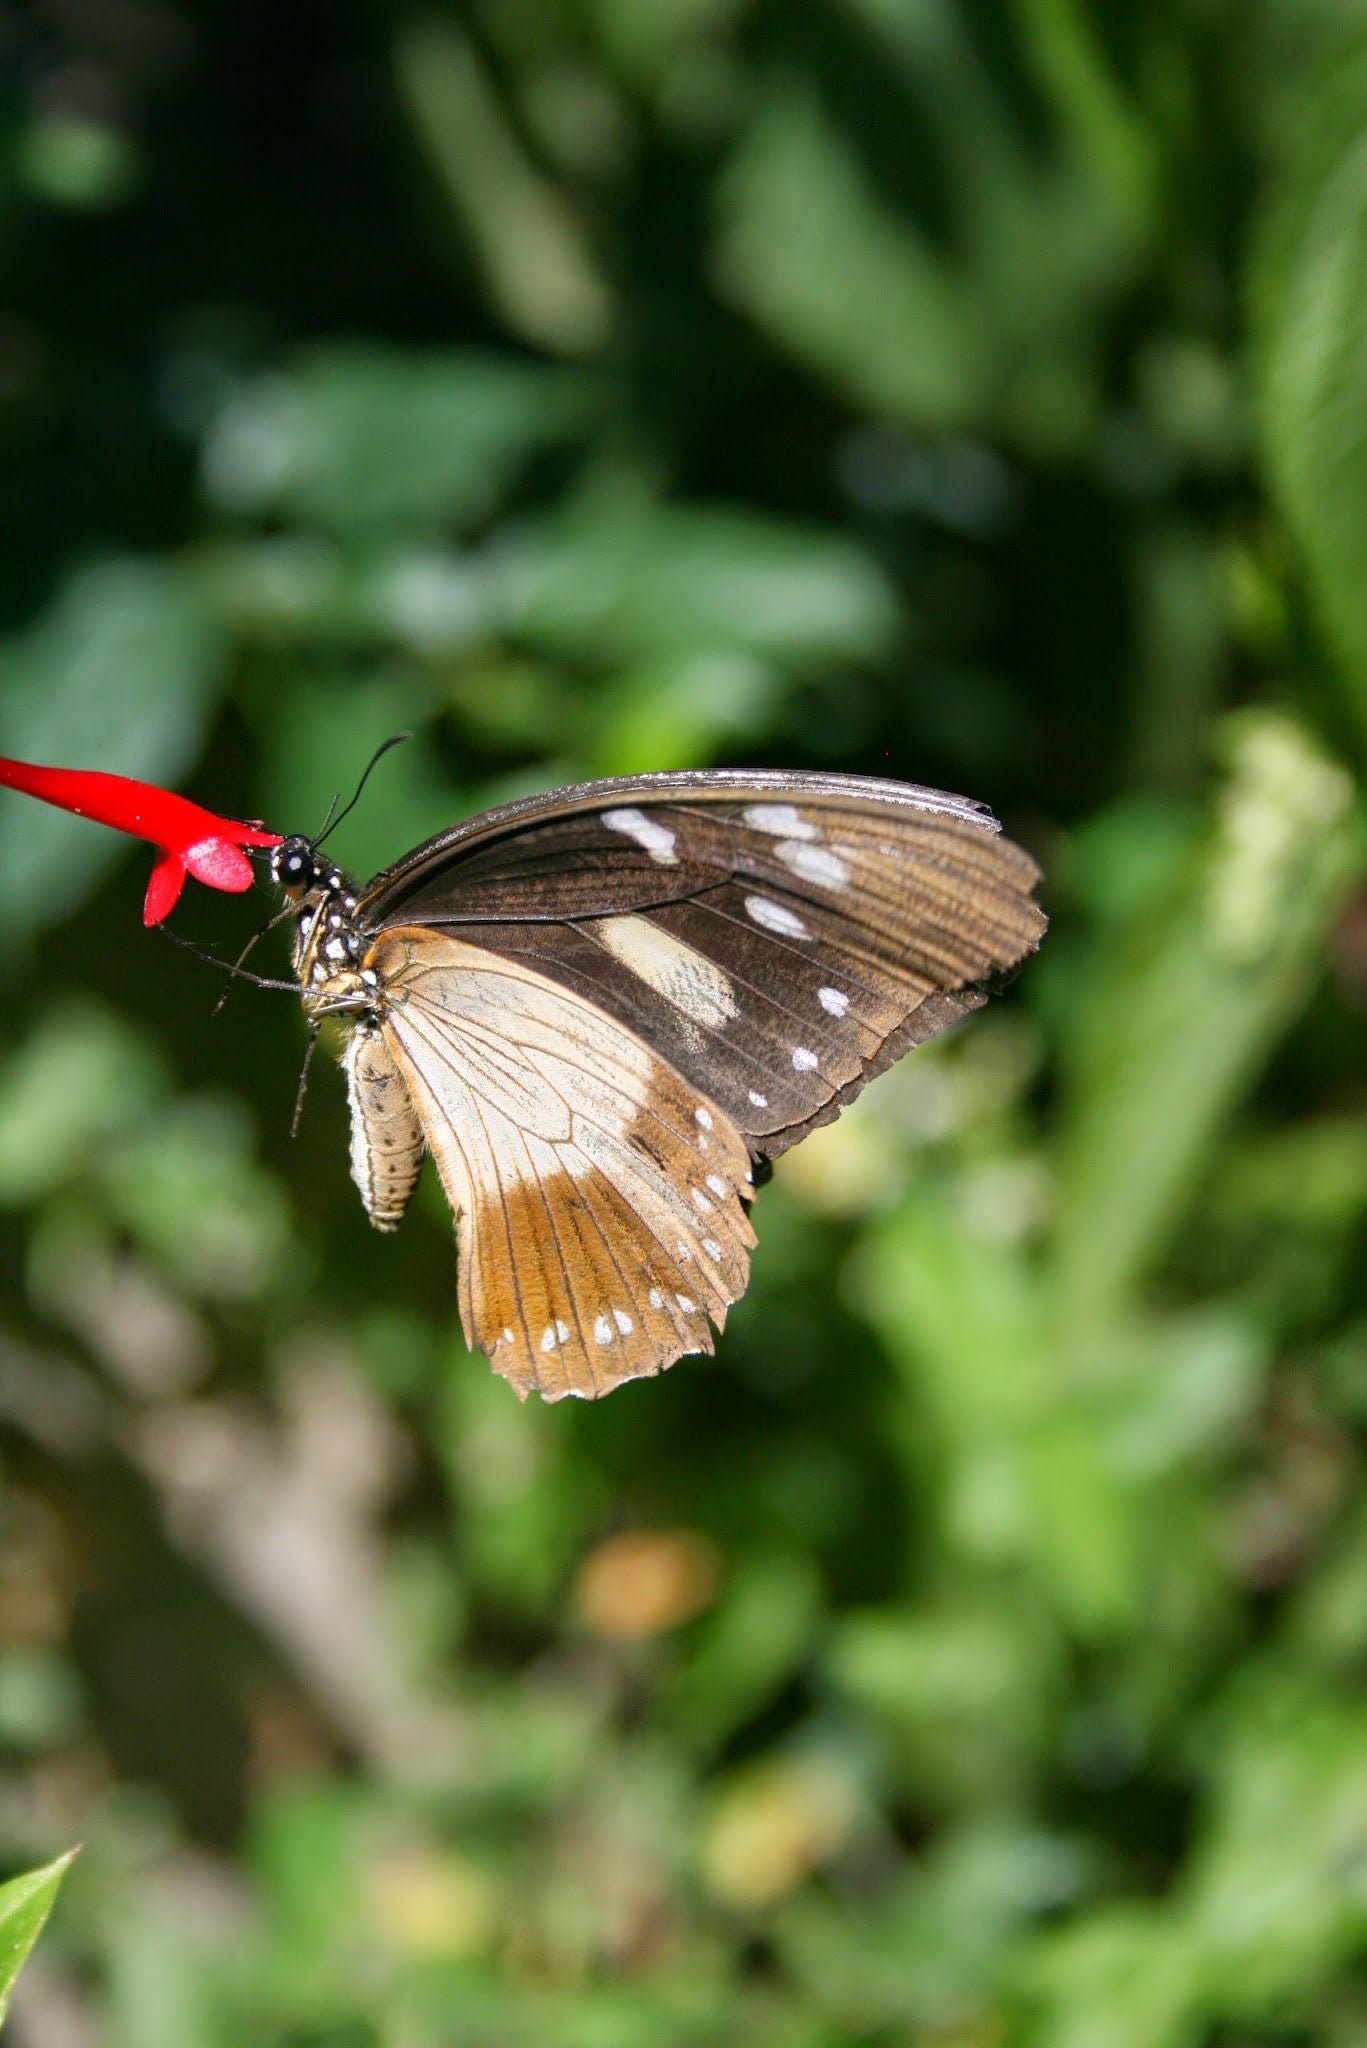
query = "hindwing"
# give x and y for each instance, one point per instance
(600, 1199)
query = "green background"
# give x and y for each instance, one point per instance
(972, 1654)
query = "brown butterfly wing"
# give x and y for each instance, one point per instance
(600, 1199)
(777, 939)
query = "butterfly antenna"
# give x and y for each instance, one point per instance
(278, 917)
(330, 823)
(327, 824)
(303, 1081)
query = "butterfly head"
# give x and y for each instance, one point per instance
(297, 867)
(328, 944)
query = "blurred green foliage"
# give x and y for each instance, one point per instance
(972, 1654)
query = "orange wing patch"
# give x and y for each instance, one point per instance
(600, 1200)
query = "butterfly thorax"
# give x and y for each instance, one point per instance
(328, 945)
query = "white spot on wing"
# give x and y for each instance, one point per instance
(700, 1198)
(780, 820)
(712, 1248)
(833, 999)
(679, 973)
(702, 1116)
(656, 839)
(555, 1333)
(804, 1059)
(776, 917)
(716, 1183)
(657, 1300)
(689, 1307)
(760, 1101)
(623, 1321)
(814, 863)
(602, 1330)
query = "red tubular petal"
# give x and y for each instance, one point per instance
(220, 864)
(138, 807)
(190, 837)
(164, 886)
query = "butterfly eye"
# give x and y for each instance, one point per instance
(293, 863)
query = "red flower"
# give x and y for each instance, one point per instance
(193, 841)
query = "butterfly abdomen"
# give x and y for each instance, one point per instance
(386, 1137)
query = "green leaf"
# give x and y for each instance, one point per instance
(359, 442)
(683, 709)
(962, 1690)
(79, 1079)
(188, 1188)
(812, 255)
(638, 582)
(1277, 1893)
(540, 269)
(25, 1903)
(1189, 1005)
(748, 1649)
(975, 305)
(1310, 315)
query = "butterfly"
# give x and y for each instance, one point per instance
(605, 1010)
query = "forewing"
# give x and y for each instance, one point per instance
(600, 1199)
(777, 939)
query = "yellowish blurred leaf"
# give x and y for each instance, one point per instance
(775, 1827)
